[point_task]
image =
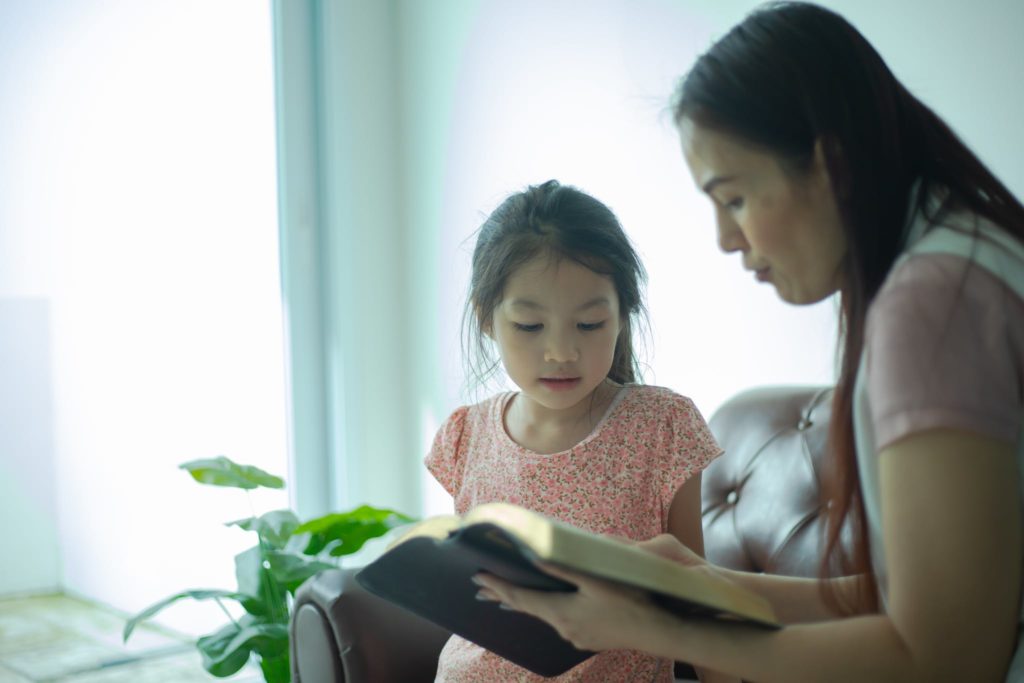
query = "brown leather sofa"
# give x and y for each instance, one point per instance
(762, 511)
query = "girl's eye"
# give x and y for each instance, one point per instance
(527, 328)
(734, 204)
(590, 327)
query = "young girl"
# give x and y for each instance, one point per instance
(555, 289)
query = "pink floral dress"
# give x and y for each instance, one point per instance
(620, 480)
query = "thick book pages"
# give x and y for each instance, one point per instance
(428, 570)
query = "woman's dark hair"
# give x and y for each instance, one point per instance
(561, 222)
(793, 75)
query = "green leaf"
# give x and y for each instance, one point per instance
(267, 640)
(227, 650)
(292, 570)
(346, 532)
(221, 471)
(255, 578)
(274, 527)
(211, 594)
(219, 657)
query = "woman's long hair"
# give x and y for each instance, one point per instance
(793, 74)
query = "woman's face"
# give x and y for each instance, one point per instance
(785, 225)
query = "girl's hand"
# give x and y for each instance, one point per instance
(670, 547)
(598, 616)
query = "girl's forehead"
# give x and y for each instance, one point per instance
(553, 265)
(551, 278)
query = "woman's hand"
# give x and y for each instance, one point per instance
(598, 616)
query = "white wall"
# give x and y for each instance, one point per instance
(139, 197)
(30, 561)
(496, 95)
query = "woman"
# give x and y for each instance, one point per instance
(827, 175)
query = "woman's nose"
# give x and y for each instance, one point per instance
(730, 237)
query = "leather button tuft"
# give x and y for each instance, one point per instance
(732, 497)
(803, 424)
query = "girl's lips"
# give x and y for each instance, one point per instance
(763, 275)
(560, 383)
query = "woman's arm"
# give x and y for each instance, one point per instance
(952, 532)
(793, 599)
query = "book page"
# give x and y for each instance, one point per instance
(433, 527)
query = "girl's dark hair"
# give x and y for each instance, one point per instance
(792, 75)
(562, 222)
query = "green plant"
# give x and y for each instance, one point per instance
(286, 554)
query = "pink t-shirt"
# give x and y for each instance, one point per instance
(620, 480)
(945, 348)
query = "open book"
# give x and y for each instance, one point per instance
(428, 570)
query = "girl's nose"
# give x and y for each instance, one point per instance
(561, 348)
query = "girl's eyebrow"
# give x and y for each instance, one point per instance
(597, 301)
(533, 305)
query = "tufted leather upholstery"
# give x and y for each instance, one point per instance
(762, 505)
(762, 512)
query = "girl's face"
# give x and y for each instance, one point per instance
(556, 328)
(786, 226)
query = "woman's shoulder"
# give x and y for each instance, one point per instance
(945, 348)
(940, 280)
(949, 244)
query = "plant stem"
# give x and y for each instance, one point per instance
(276, 669)
(275, 601)
(225, 611)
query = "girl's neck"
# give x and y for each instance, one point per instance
(543, 430)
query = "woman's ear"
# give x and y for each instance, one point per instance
(830, 165)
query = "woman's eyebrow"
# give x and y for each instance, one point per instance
(716, 181)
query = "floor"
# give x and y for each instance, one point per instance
(61, 639)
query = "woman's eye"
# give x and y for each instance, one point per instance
(734, 204)
(590, 327)
(527, 328)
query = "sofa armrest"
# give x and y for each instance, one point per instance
(342, 634)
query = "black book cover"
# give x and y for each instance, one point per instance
(432, 579)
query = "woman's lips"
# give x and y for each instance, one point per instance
(763, 275)
(560, 383)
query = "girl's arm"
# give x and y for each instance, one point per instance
(685, 524)
(951, 513)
